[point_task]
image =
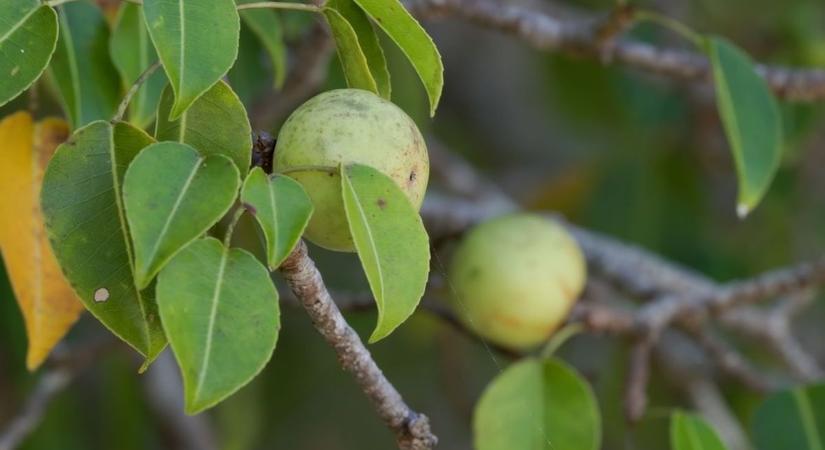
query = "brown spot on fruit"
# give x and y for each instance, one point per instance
(381, 203)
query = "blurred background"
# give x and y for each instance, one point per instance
(635, 156)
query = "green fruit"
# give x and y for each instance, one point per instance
(348, 126)
(515, 278)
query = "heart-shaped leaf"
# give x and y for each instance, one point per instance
(132, 53)
(537, 405)
(266, 25)
(28, 35)
(220, 310)
(216, 124)
(751, 118)
(391, 242)
(282, 208)
(47, 301)
(413, 41)
(368, 41)
(356, 70)
(791, 419)
(197, 41)
(691, 432)
(86, 80)
(87, 228)
(172, 195)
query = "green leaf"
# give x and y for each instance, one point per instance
(368, 39)
(391, 242)
(691, 432)
(216, 124)
(537, 405)
(751, 119)
(282, 208)
(82, 205)
(173, 195)
(220, 310)
(353, 61)
(85, 78)
(266, 25)
(132, 53)
(197, 41)
(792, 419)
(28, 35)
(413, 40)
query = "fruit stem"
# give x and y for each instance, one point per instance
(559, 338)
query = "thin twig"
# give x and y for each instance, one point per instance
(280, 5)
(121, 109)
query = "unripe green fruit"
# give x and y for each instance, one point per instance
(515, 278)
(348, 126)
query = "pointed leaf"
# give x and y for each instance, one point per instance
(282, 208)
(216, 124)
(792, 419)
(751, 118)
(220, 310)
(356, 70)
(537, 405)
(83, 73)
(391, 242)
(266, 25)
(368, 39)
(413, 40)
(132, 53)
(87, 228)
(46, 299)
(691, 432)
(172, 195)
(197, 41)
(28, 35)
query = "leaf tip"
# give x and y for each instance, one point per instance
(35, 358)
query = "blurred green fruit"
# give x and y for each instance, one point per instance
(515, 278)
(348, 126)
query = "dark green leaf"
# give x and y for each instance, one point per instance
(691, 432)
(354, 62)
(220, 311)
(537, 405)
(368, 39)
(132, 53)
(87, 228)
(751, 118)
(413, 40)
(391, 242)
(792, 419)
(28, 35)
(216, 124)
(282, 208)
(197, 41)
(266, 25)
(85, 77)
(172, 195)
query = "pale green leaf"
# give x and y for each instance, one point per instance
(391, 242)
(537, 405)
(691, 432)
(356, 70)
(282, 208)
(413, 40)
(791, 419)
(751, 119)
(83, 73)
(172, 195)
(368, 39)
(132, 53)
(266, 24)
(216, 124)
(81, 202)
(28, 35)
(197, 41)
(220, 310)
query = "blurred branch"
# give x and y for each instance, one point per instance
(586, 38)
(412, 430)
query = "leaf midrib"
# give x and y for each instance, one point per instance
(806, 417)
(373, 247)
(211, 327)
(19, 24)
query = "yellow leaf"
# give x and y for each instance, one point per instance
(48, 303)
